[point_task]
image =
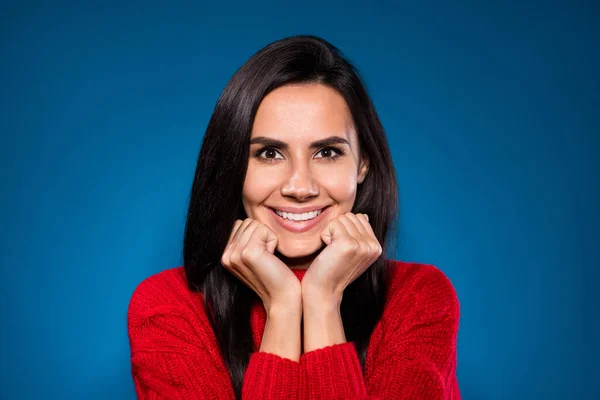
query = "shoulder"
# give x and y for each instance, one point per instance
(165, 286)
(165, 316)
(422, 287)
(164, 291)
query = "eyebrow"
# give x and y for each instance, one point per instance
(314, 145)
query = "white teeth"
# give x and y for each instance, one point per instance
(298, 217)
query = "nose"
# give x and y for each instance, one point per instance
(300, 183)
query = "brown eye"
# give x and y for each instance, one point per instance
(326, 152)
(330, 152)
(268, 154)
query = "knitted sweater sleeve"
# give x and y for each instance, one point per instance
(174, 354)
(415, 358)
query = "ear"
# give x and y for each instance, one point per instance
(363, 169)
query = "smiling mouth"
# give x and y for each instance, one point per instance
(299, 217)
(299, 223)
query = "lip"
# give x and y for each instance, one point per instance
(299, 226)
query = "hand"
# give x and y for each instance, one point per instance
(249, 256)
(351, 248)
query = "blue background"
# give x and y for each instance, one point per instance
(492, 112)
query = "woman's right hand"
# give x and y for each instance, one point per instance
(249, 256)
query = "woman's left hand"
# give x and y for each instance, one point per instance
(351, 248)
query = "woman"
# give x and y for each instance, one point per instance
(284, 292)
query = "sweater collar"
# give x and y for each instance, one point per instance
(299, 273)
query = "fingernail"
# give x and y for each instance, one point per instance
(367, 217)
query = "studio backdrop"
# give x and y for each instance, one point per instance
(491, 111)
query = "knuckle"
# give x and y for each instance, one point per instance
(235, 259)
(246, 255)
(350, 246)
(366, 249)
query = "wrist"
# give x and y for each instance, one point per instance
(323, 324)
(285, 308)
(321, 300)
(281, 335)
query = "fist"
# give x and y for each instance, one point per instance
(249, 256)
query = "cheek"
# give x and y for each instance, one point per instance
(257, 187)
(340, 185)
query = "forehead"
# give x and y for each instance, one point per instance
(303, 113)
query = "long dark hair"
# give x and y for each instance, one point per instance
(215, 201)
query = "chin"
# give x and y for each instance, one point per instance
(294, 249)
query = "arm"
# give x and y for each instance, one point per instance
(274, 371)
(170, 358)
(174, 355)
(322, 321)
(282, 331)
(249, 255)
(415, 358)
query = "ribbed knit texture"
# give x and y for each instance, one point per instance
(411, 353)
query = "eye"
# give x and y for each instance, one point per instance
(330, 152)
(270, 153)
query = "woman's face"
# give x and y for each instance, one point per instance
(304, 160)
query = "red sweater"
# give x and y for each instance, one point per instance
(411, 354)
